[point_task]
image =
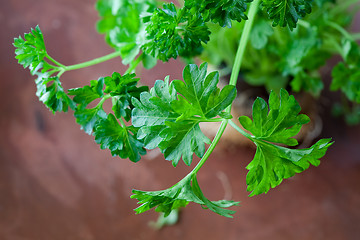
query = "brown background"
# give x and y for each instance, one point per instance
(56, 184)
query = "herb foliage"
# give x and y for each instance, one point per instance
(167, 116)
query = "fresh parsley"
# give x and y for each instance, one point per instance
(168, 115)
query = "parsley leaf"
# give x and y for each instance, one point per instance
(173, 33)
(122, 89)
(346, 75)
(170, 114)
(287, 12)
(119, 139)
(271, 163)
(123, 23)
(185, 191)
(31, 51)
(51, 93)
(221, 12)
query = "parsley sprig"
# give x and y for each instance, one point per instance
(168, 116)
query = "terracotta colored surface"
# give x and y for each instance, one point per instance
(56, 184)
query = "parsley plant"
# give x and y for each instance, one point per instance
(167, 116)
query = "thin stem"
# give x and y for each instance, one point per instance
(356, 36)
(54, 61)
(92, 62)
(233, 79)
(237, 128)
(134, 64)
(211, 148)
(243, 42)
(104, 98)
(122, 122)
(345, 33)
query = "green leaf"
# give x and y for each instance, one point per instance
(279, 124)
(179, 195)
(89, 118)
(260, 33)
(123, 23)
(272, 163)
(119, 139)
(169, 116)
(287, 12)
(85, 95)
(173, 33)
(304, 81)
(221, 12)
(31, 51)
(122, 89)
(51, 93)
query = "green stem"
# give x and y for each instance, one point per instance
(345, 33)
(134, 64)
(356, 36)
(211, 148)
(104, 98)
(92, 62)
(233, 78)
(243, 42)
(237, 128)
(54, 61)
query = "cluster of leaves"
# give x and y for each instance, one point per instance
(169, 115)
(119, 138)
(280, 58)
(31, 53)
(185, 191)
(172, 31)
(123, 23)
(278, 123)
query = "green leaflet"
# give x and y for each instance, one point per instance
(287, 12)
(346, 75)
(120, 140)
(185, 191)
(123, 23)
(272, 163)
(173, 33)
(279, 124)
(51, 93)
(169, 116)
(31, 51)
(221, 12)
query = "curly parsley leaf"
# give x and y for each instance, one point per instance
(278, 122)
(123, 23)
(51, 93)
(170, 114)
(31, 51)
(179, 195)
(122, 89)
(173, 33)
(221, 12)
(121, 140)
(118, 138)
(286, 12)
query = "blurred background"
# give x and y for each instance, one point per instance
(56, 183)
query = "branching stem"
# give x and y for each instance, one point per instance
(233, 79)
(92, 62)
